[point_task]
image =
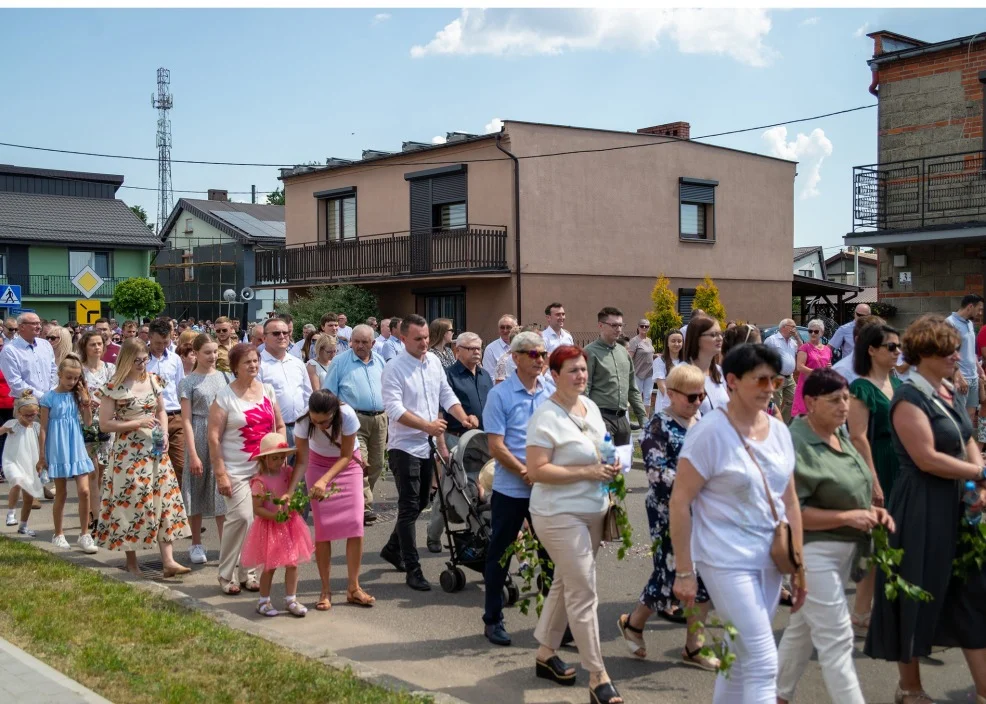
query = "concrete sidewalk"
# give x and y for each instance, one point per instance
(26, 680)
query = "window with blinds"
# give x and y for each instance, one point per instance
(340, 218)
(449, 216)
(686, 298)
(697, 199)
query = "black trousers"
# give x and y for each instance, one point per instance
(617, 425)
(413, 478)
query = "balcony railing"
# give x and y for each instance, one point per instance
(54, 286)
(918, 193)
(471, 249)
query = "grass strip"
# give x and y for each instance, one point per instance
(133, 647)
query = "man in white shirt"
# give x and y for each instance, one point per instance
(414, 390)
(555, 335)
(843, 341)
(499, 346)
(27, 360)
(696, 314)
(287, 374)
(786, 341)
(345, 332)
(166, 364)
(383, 337)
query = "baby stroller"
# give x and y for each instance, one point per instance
(458, 497)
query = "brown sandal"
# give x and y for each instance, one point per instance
(360, 598)
(323, 604)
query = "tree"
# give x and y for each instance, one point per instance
(276, 197)
(663, 317)
(707, 299)
(142, 216)
(356, 302)
(137, 298)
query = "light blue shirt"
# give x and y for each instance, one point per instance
(842, 340)
(508, 410)
(391, 347)
(27, 366)
(355, 382)
(967, 361)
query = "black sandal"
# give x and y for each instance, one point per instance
(604, 694)
(677, 615)
(556, 670)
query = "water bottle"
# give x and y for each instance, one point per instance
(607, 450)
(969, 497)
(157, 442)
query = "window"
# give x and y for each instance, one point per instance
(340, 218)
(696, 215)
(449, 216)
(439, 198)
(188, 226)
(810, 273)
(444, 304)
(3, 265)
(99, 261)
(187, 267)
(686, 297)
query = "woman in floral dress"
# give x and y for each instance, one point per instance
(661, 442)
(141, 499)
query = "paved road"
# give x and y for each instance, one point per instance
(434, 640)
(26, 680)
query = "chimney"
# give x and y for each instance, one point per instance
(216, 194)
(681, 130)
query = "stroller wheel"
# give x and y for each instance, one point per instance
(448, 580)
(510, 594)
(460, 579)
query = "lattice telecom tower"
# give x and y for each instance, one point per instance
(163, 102)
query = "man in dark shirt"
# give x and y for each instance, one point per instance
(471, 384)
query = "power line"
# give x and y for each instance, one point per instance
(456, 161)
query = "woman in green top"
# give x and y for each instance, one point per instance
(875, 358)
(835, 488)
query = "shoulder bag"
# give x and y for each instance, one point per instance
(785, 549)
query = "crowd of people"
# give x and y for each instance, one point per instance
(769, 463)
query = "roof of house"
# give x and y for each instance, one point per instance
(802, 252)
(865, 256)
(867, 295)
(247, 223)
(105, 222)
(920, 46)
(114, 179)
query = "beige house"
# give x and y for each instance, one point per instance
(509, 222)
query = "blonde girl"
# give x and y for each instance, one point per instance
(61, 342)
(20, 459)
(63, 447)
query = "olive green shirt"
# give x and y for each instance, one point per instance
(611, 379)
(831, 480)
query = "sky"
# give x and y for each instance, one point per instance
(293, 86)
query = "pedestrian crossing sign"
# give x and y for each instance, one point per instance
(10, 296)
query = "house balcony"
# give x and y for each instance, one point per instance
(939, 192)
(53, 286)
(472, 249)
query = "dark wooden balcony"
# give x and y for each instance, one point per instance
(467, 250)
(920, 193)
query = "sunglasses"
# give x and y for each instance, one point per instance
(279, 333)
(11, 329)
(769, 382)
(51, 338)
(893, 346)
(222, 329)
(691, 398)
(815, 332)
(534, 354)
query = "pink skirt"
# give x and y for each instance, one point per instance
(341, 515)
(270, 544)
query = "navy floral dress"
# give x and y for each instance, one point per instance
(661, 442)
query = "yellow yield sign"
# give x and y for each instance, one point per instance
(87, 281)
(87, 311)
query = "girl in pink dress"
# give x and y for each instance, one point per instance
(271, 543)
(811, 355)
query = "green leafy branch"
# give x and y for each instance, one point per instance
(525, 549)
(618, 492)
(721, 647)
(888, 560)
(972, 559)
(296, 503)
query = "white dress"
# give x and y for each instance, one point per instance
(20, 457)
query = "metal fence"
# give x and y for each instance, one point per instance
(55, 286)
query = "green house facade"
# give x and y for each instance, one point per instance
(52, 225)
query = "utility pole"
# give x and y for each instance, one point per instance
(253, 194)
(162, 101)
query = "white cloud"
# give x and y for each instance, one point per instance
(494, 125)
(439, 139)
(736, 33)
(380, 17)
(862, 30)
(808, 22)
(808, 150)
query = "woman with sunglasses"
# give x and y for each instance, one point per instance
(722, 519)
(660, 443)
(641, 351)
(937, 455)
(874, 360)
(670, 358)
(835, 488)
(322, 354)
(812, 355)
(703, 348)
(61, 342)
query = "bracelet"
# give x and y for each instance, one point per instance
(684, 575)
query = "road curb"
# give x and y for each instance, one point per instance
(327, 657)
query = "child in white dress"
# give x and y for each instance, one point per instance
(20, 459)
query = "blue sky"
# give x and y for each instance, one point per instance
(287, 86)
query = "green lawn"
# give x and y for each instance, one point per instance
(133, 647)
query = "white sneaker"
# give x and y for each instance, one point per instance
(87, 544)
(12, 518)
(24, 530)
(59, 541)
(197, 555)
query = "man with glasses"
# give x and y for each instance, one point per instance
(28, 361)
(355, 378)
(786, 341)
(612, 381)
(167, 365)
(287, 374)
(225, 340)
(471, 385)
(555, 335)
(843, 342)
(641, 350)
(499, 346)
(10, 329)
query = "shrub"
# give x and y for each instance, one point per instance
(663, 316)
(356, 302)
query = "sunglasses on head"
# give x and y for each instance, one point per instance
(691, 398)
(534, 354)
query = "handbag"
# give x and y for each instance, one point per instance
(785, 550)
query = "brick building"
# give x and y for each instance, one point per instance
(923, 205)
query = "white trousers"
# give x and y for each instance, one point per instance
(239, 517)
(748, 599)
(823, 623)
(646, 387)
